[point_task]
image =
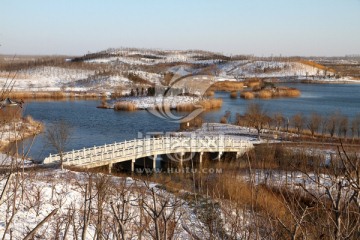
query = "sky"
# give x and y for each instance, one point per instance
(258, 27)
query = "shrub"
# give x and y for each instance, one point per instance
(207, 104)
(227, 86)
(223, 120)
(287, 92)
(247, 95)
(266, 94)
(124, 106)
(209, 94)
(233, 94)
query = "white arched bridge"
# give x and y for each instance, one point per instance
(149, 147)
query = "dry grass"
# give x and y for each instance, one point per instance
(253, 82)
(265, 94)
(209, 94)
(57, 95)
(9, 114)
(247, 95)
(227, 86)
(206, 104)
(214, 103)
(261, 197)
(316, 65)
(234, 94)
(124, 106)
(287, 92)
(268, 94)
(37, 95)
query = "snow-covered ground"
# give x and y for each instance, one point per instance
(151, 102)
(17, 130)
(6, 160)
(134, 202)
(218, 129)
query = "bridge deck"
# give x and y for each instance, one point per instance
(139, 148)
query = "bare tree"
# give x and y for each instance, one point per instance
(298, 121)
(332, 123)
(314, 123)
(279, 120)
(163, 210)
(256, 117)
(343, 126)
(58, 136)
(355, 126)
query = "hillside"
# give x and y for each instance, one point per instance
(127, 68)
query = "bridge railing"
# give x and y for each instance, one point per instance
(148, 146)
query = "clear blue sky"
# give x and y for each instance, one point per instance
(260, 27)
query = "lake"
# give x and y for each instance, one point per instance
(92, 126)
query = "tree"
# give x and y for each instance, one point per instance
(298, 122)
(314, 123)
(279, 120)
(58, 136)
(332, 123)
(355, 126)
(256, 117)
(343, 126)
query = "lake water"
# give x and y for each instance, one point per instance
(92, 126)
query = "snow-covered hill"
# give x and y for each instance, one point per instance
(109, 69)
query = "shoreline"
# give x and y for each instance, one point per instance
(17, 131)
(90, 95)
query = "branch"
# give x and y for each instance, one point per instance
(31, 234)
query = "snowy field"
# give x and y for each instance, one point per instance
(80, 198)
(218, 129)
(151, 102)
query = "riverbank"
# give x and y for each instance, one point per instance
(179, 103)
(17, 130)
(56, 95)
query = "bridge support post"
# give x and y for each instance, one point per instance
(181, 159)
(154, 162)
(110, 168)
(219, 156)
(133, 165)
(200, 157)
(238, 154)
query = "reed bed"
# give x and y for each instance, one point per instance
(57, 95)
(273, 93)
(287, 92)
(209, 93)
(253, 82)
(247, 95)
(234, 94)
(206, 104)
(124, 106)
(227, 86)
(214, 103)
(37, 95)
(265, 94)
